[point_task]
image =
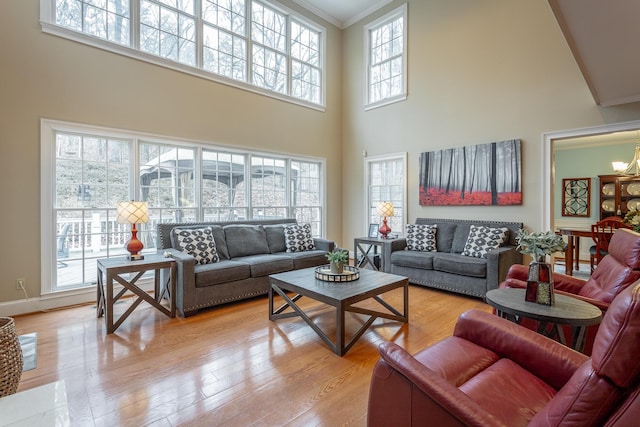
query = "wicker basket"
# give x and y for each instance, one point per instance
(10, 357)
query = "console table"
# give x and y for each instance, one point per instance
(510, 304)
(114, 269)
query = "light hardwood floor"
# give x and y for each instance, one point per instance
(228, 366)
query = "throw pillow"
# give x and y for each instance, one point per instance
(483, 239)
(199, 243)
(298, 237)
(422, 237)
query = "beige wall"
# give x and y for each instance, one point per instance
(43, 76)
(479, 71)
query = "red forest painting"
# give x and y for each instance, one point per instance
(484, 174)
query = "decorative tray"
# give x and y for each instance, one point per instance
(349, 274)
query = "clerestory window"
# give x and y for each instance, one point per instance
(256, 45)
(386, 59)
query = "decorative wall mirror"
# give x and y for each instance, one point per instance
(576, 197)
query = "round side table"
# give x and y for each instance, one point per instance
(510, 304)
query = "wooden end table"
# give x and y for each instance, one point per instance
(114, 269)
(364, 246)
(510, 304)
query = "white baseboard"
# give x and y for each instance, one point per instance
(57, 300)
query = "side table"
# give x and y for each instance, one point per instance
(114, 269)
(510, 304)
(379, 246)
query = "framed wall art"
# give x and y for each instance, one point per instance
(484, 174)
(576, 197)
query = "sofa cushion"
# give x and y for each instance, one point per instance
(421, 237)
(413, 259)
(306, 259)
(482, 239)
(221, 243)
(197, 242)
(221, 272)
(275, 238)
(460, 264)
(245, 240)
(264, 265)
(460, 236)
(298, 237)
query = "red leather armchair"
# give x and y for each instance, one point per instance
(615, 272)
(492, 372)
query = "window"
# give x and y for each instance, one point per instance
(87, 170)
(386, 59)
(386, 181)
(255, 45)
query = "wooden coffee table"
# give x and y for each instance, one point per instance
(342, 296)
(510, 304)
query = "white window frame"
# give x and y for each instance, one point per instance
(384, 20)
(367, 182)
(48, 25)
(49, 129)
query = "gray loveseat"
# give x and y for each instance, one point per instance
(448, 268)
(248, 252)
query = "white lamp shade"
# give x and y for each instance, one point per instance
(133, 212)
(385, 209)
(620, 166)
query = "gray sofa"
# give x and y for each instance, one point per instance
(447, 268)
(249, 252)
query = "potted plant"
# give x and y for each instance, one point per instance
(337, 259)
(538, 245)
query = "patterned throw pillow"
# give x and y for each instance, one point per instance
(297, 237)
(199, 243)
(422, 237)
(483, 239)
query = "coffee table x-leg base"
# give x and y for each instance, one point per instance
(339, 347)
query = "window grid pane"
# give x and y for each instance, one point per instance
(223, 195)
(168, 32)
(386, 56)
(92, 176)
(386, 183)
(108, 20)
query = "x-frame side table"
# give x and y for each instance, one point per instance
(381, 247)
(112, 270)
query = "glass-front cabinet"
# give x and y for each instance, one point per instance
(619, 194)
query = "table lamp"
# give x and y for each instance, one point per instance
(133, 213)
(385, 209)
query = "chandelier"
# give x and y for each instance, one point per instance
(624, 168)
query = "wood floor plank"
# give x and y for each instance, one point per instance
(228, 366)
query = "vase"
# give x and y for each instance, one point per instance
(10, 357)
(336, 267)
(540, 284)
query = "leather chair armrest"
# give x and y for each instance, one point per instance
(600, 304)
(568, 284)
(518, 275)
(429, 398)
(543, 357)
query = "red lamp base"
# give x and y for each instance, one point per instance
(134, 245)
(384, 228)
